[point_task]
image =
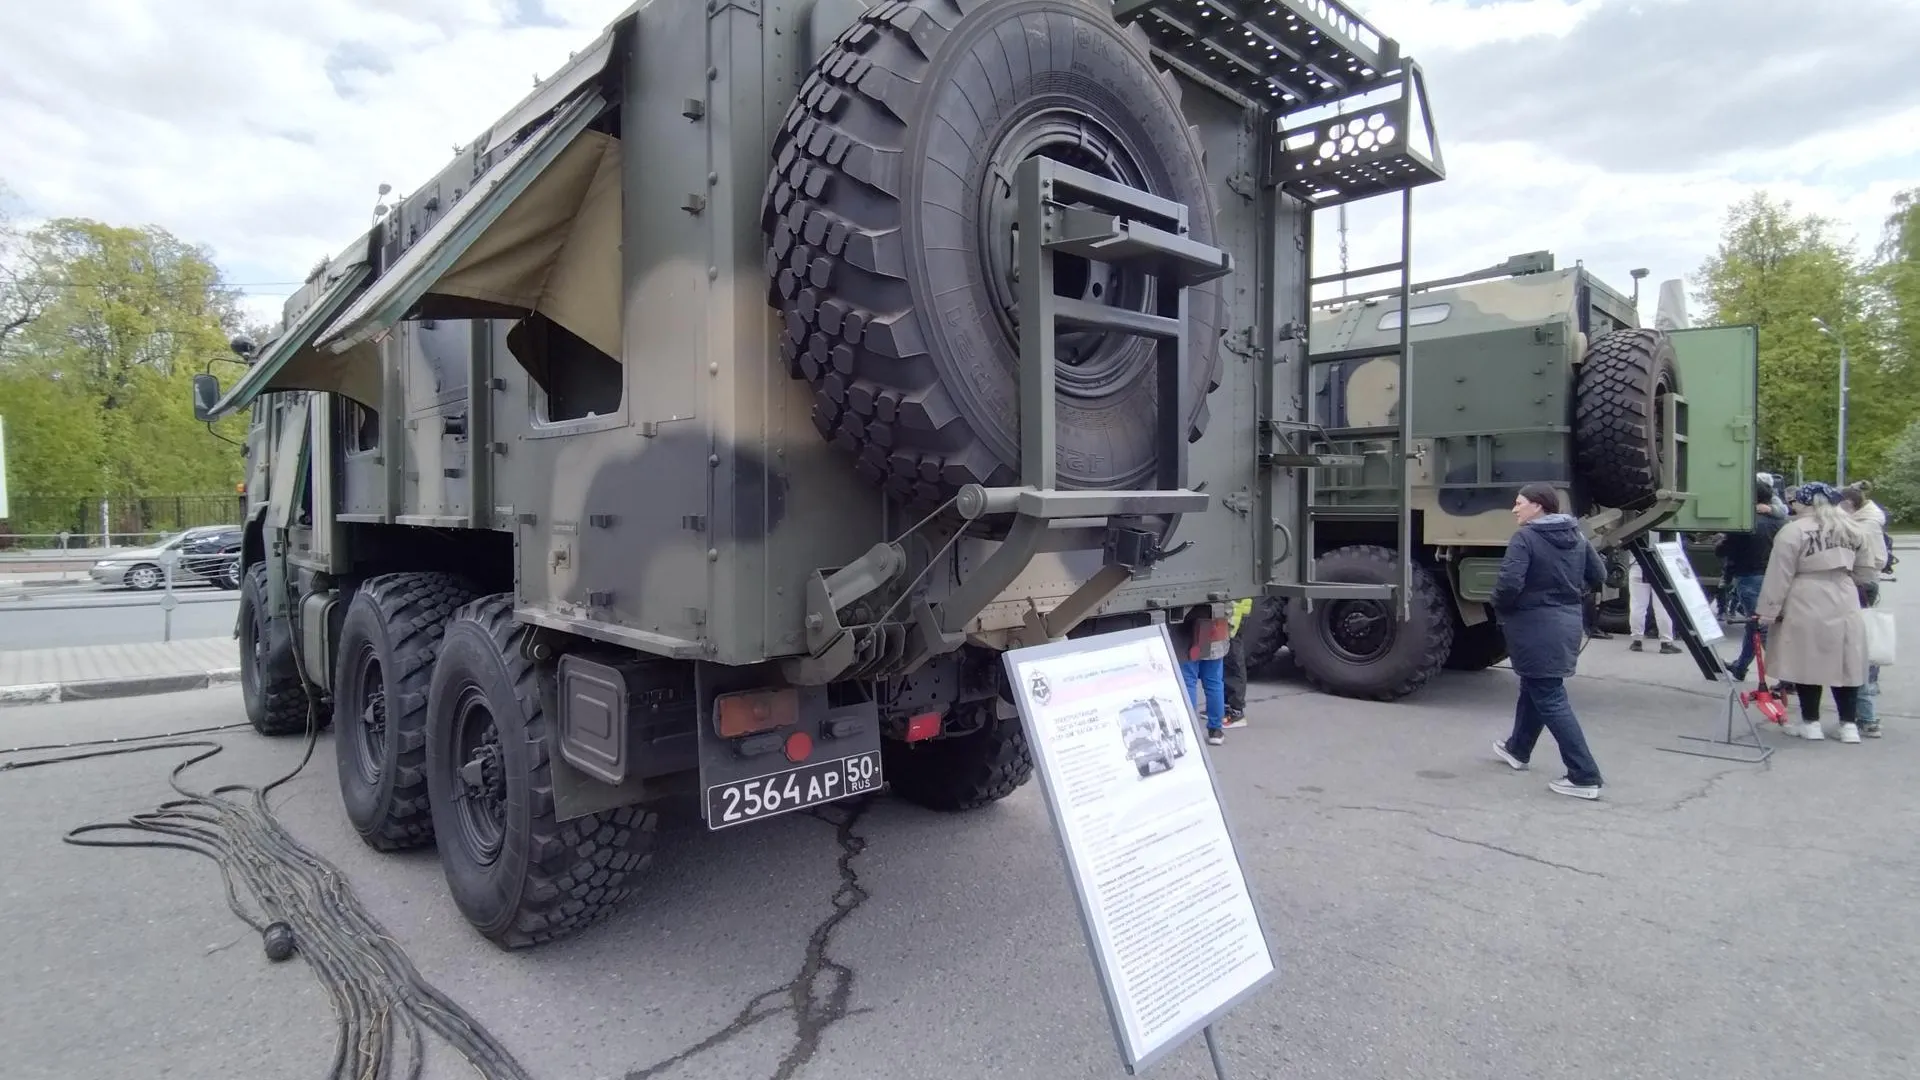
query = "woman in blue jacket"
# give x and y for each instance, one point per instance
(1548, 569)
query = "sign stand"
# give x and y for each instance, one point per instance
(1665, 567)
(1163, 898)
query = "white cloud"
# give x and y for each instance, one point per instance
(262, 127)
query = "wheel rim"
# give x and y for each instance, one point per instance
(1089, 361)
(370, 716)
(480, 787)
(143, 578)
(1358, 631)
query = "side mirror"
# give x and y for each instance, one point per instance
(206, 392)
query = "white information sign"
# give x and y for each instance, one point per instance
(1693, 599)
(1163, 898)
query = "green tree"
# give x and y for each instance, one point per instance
(1897, 487)
(107, 327)
(1779, 270)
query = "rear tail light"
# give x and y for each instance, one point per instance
(924, 726)
(735, 715)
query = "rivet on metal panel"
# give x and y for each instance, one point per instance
(713, 461)
(713, 554)
(713, 367)
(713, 178)
(713, 273)
(713, 73)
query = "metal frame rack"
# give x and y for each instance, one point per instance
(1342, 109)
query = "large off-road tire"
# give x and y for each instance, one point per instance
(1263, 633)
(1360, 648)
(889, 216)
(382, 671)
(1617, 422)
(517, 873)
(962, 772)
(1476, 647)
(275, 698)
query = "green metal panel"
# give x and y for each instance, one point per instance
(1720, 377)
(296, 338)
(1477, 578)
(414, 274)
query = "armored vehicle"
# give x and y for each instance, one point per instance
(1151, 736)
(1521, 372)
(704, 431)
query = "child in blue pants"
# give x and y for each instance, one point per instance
(1211, 676)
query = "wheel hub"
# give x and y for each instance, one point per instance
(481, 779)
(371, 717)
(1360, 631)
(1088, 360)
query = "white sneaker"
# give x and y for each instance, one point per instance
(1849, 732)
(1500, 748)
(1810, 729)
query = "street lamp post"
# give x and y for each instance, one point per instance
(1840, 454)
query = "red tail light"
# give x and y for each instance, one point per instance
(924, 726)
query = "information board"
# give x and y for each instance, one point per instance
(1163, 899)
(1693, 600)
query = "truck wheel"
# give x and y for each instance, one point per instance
(275, 697)
(384, 665)
(1360, 648)
(1477, 647)
(517, 873)
(1618, 424)
(1263, 633)
(889, 215)
(963, 772)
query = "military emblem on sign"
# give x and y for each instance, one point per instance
(1041, 690)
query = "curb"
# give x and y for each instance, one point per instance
(103, 689)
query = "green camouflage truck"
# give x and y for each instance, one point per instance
(1522, 372)
(701, 436)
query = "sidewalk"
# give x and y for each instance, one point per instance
(90, 673)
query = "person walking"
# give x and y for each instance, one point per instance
(1874, 520)
(1549, 566)
(1639, 598)
(1810, 604)
(1203, 671)
(1234, 669)
(1743, 561)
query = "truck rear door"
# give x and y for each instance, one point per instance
(1720, 378)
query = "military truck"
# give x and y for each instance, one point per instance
(702, 434)
(1151, 736)
(1521, 372)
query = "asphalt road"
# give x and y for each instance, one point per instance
(1436, 915)
(69, 615)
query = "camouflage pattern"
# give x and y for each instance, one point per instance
(685, 516)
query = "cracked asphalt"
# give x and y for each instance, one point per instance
(1435, 914)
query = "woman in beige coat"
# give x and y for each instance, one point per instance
(1811, 605)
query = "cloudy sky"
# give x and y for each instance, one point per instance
(1614, 131)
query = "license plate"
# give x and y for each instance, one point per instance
(797, 788)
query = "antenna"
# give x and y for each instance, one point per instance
(1343, 249)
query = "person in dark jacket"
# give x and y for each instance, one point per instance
(1743, 560)
(1549, 567)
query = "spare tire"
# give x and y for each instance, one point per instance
(889, 217)
(1618, 420)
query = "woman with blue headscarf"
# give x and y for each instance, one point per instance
(1810, 605)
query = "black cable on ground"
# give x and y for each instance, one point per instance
(305, 905)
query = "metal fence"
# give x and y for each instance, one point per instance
(37, 522)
